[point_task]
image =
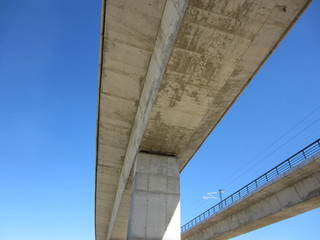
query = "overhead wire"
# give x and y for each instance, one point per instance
(201, 202)
(231, 176)
(273, 151)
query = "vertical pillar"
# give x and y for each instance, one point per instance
(155, 198)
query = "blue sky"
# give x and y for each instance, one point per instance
(48, 99)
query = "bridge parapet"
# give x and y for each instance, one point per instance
(292, 192)
(258, 183)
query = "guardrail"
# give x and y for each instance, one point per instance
(294, 160)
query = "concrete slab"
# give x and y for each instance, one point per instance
(169, 71)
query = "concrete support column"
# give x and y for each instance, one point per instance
(155, 200)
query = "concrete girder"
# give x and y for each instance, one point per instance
(170, 22)
(205, 65)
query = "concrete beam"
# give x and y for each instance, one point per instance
(290, 194)
(169, 27)
(128, 34)
(217, 49)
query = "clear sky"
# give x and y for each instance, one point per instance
(48, 100)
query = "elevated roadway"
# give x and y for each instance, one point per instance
(287, 194)
(169, 71)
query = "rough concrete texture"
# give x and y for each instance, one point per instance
(129, 31)
(169, 71)
(290, 194)
(155, 201)
(219, 48)
(171, 19)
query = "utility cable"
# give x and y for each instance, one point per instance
(275, 150)
(267, 148)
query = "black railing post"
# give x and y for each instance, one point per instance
(304, 154)
(289, 163)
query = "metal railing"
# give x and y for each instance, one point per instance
(294, 160)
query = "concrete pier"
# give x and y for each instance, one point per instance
(155, 199)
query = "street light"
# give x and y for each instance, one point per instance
(220, 193)
(210, 196)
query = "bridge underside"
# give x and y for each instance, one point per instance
(292, 193)
(169, 71)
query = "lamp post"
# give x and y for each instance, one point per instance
(220, 193)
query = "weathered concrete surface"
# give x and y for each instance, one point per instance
(292, 193)
(219, 48)
(155, 201)
(171, 18)
(129, 32)
(163, 101)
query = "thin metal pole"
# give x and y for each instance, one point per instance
(220, 194)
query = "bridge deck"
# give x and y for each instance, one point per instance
(291, 193)
(169, 71)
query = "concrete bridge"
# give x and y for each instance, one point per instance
(289, 189)
(169, 71)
